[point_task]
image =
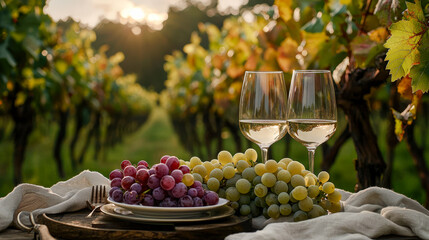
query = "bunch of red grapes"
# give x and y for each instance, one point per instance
(166, 184)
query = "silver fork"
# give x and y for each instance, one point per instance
(98, 198)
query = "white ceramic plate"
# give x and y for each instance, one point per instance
(115, 211)
(168, 212)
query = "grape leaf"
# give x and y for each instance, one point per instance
(420, 73)
(402, 45)
(285, 9)
(415, 11)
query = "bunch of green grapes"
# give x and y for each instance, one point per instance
(272, 189)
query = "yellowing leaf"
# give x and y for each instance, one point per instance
(420, 73)
(285, 9)
(404, 88)
(20, 99)
(402, 46)
(378, 35)
(345, 2)
(286, 56)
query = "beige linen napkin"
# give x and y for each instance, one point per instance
(368, 214)
(70, 195)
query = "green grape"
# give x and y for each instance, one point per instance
(313, 191)
(224, 157)
(245, 210)
(243, 186)
(335, 207)
(228, 172)
(271, 166)
(305, 172)
(256, 180)
(235, 205)
(271, 199)
(323, 176)
(297, 180)
(244, 199)
(295, 207)
(300, 216)
(268, 179)
(213, 184)
(265, 212)
(251, 154)
(241, 165)
(238, 156)
(309, 180)
(249, 174)
(334, 197)
(260, 190)
(291, 198)
(252, 195)
(216, 173)
(200, 169)
(194, 161)
(229, 165)
(280, 187)
(306, 204)
(232, 194)
(221, 193)
(299, 193)
(316, 211)
(254, 209)
(328, 187)
(282, 165)
(231, 182)
(286, 161)
(295, 167)
(197, 177)
(325, 204)
(273, 211)
(285, 209)
(260, 169)
(259, 202)
(209, 166)
(283, 198)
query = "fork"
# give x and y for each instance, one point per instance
(98, 198)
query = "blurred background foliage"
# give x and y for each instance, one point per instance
(74, 98)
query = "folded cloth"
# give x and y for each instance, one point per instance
(367, 214)
(70, 195)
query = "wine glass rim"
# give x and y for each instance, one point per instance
(264, 71)
(312, 71)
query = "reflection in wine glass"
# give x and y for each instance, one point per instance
(312, 111)
(262, 113)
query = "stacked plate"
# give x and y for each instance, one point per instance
(140, 213)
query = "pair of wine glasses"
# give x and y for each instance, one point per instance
(309, 114)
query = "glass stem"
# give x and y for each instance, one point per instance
(264, 154)
(311, 152)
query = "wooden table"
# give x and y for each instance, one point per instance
(76, 226)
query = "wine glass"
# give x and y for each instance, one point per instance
(262, 112)
(312, 111)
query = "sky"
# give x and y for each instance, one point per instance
(151, 12)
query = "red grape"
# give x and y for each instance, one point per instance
(143, 162)
(158, 193)
(151, 171)
(127, 181)
(161, 170)
(112, 190)
(117, 195)
(131, 197)
(179, 190)
(168, 202)
(192, 192)
(177, 175)
(167, 182)
(142, 176)
(125, 163)
(211, 198)
(200, 191)
(164, 158)
(116, 182)
(172, 163)
(198, 202)
(130, 171)
(197, 184)
(185, 169)
(141, 167)
(153, 182)
(186, 201)
(115, 174)
(148, 200)
(136, 187)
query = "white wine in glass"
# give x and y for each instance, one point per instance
(312, 111)
(262, 112)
